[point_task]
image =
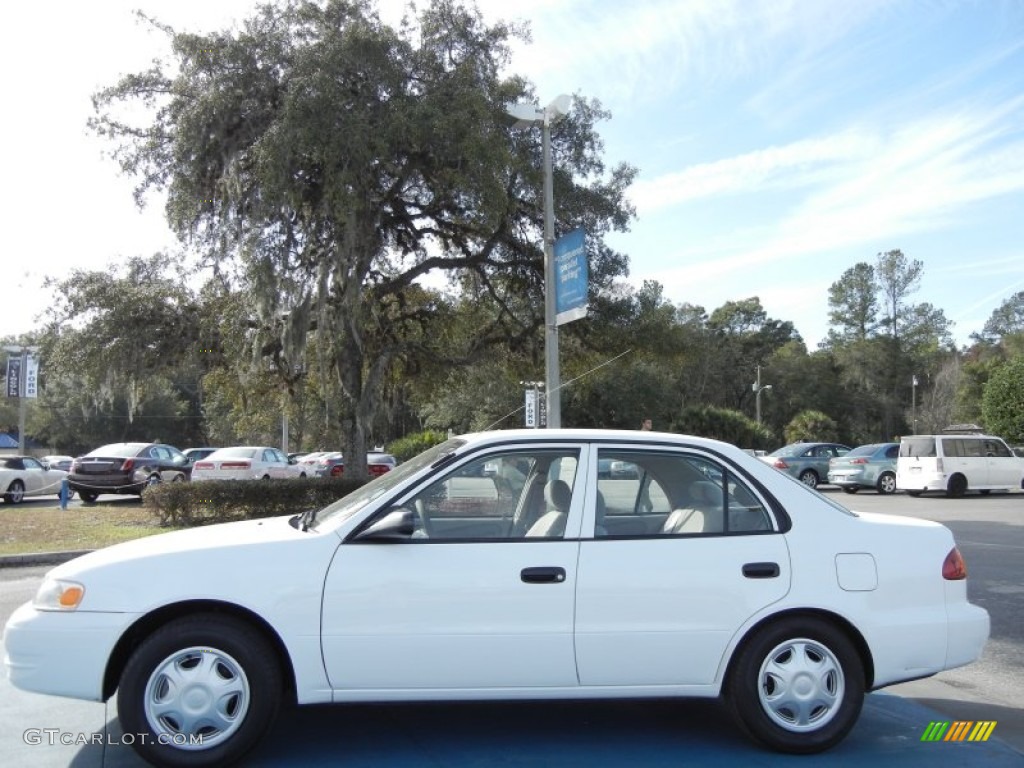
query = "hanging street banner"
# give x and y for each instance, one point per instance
(32, 377)
(14, 376)
(571, 277)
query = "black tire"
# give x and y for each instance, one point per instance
(886, 484)
(88, 496)
(915, 494)
(850, 488)
(809, 478)
(15, 492)
(201, 647)
(816, 649)
(957, 486)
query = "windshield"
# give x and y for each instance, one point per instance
(347, 506)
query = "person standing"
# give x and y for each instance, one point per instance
(646, 425)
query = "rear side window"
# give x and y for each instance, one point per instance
(918, 447)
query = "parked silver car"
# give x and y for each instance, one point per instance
(866, 466)
(807, 462)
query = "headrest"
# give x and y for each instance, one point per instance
(704, 493)
(558, 495)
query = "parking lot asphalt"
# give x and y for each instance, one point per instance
(46, 732)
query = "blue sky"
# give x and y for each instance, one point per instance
(778, 143)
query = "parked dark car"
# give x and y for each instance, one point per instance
(127, 468)
(333, 464)
(866, 466)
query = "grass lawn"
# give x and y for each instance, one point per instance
(38, 526)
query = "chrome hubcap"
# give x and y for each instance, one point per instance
(800, 685)
(196, 698)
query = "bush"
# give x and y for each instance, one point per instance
(406, 447)
(724, 424)
(812, 426)
(221, 501)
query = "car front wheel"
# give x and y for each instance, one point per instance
(202, 690)
(797, 686)
(809, 478)
(88, 496)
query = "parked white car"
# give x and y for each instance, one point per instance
(24, 476)
(247, 462)
(707, 574)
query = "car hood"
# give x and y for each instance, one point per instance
(245, 562)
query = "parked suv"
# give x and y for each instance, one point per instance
(127, 468)
(808, 462)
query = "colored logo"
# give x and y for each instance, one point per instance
(959, 730)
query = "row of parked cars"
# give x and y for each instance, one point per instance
(952, 464)
(129, 468)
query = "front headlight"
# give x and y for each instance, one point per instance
(58, 595)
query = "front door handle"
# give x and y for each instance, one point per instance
(543, 575)
(761, 570)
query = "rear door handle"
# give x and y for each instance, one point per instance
(761, 570)
(543, 575)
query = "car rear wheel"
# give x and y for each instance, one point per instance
(201, 691)
(886, 483)
(957, 486)
(809, 478)
(797, 685)
(15, 492)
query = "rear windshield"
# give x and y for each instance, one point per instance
(863, 450)
(119, 450)
(917, 447)
(237, 453)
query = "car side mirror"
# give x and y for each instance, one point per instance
(399, 524)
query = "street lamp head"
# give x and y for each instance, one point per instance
(767, 386)
(525, 115)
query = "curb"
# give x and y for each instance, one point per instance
(40, 558)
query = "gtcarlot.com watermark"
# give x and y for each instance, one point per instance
(53, 737)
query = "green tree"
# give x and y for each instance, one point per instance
(338, 160)
(1002, 405)
(853, 305)
(724, 424)
(897, 278)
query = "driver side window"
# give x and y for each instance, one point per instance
(512, 495)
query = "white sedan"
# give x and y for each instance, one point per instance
(708, 573)
(24, 476)
(246, 463)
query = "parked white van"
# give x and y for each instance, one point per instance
(957, 463)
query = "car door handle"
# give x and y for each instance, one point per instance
(543, 575)
(761, 570)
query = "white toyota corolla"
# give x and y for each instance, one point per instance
(703, 573)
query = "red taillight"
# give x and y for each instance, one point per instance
(127, 465)
(858, 461)
(953, 567)
(75, 466)
(378, 469)
(337, 470)
(780, 464)
(234, 465)
(203, 465)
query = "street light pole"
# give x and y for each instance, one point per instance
(758, 389)
(913, 401)
(527, 115)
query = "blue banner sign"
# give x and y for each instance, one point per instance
(14, 377)
(571, 277)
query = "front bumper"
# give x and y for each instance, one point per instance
(61, 653)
